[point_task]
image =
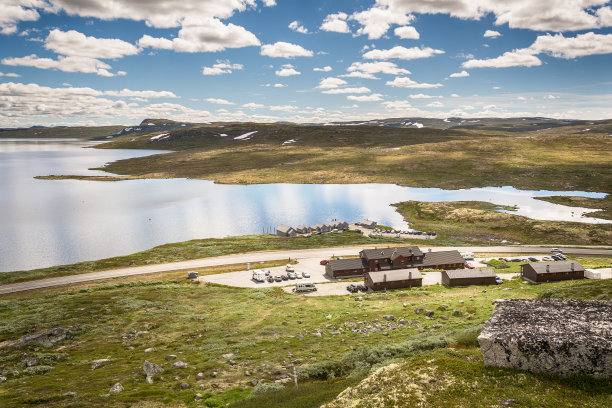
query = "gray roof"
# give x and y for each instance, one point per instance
(368, 222)
(391, 253)
(395, 275)
(442, 258)
(540, 267)
(344, 264)
(284, 228)
(470, 273)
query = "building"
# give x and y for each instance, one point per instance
(367, 224)
(285, 231)
(603, 273)
(390, 258)
(466, 277)
(343, 268)
(303, 229)
(393, 279)
(551, 272)
(341, 225)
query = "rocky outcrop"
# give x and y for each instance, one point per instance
(46, 338)
(559, 336)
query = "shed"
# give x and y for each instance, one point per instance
(341, 225)
(551, 272)
(342, 268)
(466, 277)
(285, 231)
(393, 279)
(602, 273)
(303, 229)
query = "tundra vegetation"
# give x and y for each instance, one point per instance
(233, 339)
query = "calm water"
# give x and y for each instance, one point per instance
(48, 222)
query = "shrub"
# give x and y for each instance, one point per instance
(263, 388)
(41, 369)
(497, 264)
(468, 337)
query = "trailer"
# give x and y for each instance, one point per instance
(304, 287)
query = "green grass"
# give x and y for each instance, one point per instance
(595, 289)
(477, 221)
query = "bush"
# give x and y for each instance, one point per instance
(263, 388)
(497, 264)
(41, 369)
(468, 337)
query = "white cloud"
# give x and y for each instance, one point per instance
(297, 27)
(398, 105)
(336, 23)
(75, 44)
(222, 67)
(582, 45)
(253, 105)
(326, 68)
(407, 33)
(269, 3)
(460, 74)
(203, 34)
(516, 58)
(521, 98)
(377, 20)
(9, 75)
(331, 82)
(219, 101)
(12, 12)
(139, 94)
(279, 85)
(371, 68)
(287, 71)
(365, 98)
(359, 74)
(552, 97)
(283, 108)
(550, 15)
(421, 96)
(491, 34)
(400, 52)
(337, 91)
(67, 64)
(455, 95)
(497, 88)
(405, 82)
(283, 49)
(436, 104)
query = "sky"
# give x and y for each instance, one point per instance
(97, 62)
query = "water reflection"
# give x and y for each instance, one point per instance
(44, 223)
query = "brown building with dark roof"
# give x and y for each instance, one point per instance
(393, 279)
(551, 272)
(385, 259)
(466, 277)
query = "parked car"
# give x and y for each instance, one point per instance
(546, 258)
(291, 275)
(556, 251)
(498, 280)
(306, 274)
(289, 268)
(278, 278)
(302, 287)
(284, 277)
(324, 262)
(270, 279)
(532, 259)
(556, 258)
(362, 287)
(469, 266)
(352, 288)
(298, 275)
(563, 257)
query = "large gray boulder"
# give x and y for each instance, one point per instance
(559, 336)
(151, 369)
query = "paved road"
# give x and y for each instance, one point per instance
(254, 257)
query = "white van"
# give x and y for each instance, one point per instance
(259, 275)
(303, 287)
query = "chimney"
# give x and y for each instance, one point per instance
(547, 268)
(572, 266)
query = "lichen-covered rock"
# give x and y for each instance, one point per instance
(560, 336)
(151, 369)
(47, 338)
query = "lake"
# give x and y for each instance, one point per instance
(52, 222)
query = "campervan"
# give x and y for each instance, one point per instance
(303, 287)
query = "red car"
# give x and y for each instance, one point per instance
(324, 262)
(468, 266)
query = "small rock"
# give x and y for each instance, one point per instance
(98, 363)
(2, 380)
(389, 317)
(442, 307)
(404, 304)
(299, 336)
(457, 313)
(420, 330)
(200, 376)
(247, 373)
(214, 374)
(149, 379)
(254, 382)
(358, 298)
(150, 350)
(285, 323)
(198, 397)
(184, 386)
(461, 301)
(317, 334)
(180, 364)
(418, 310)
(151, 369)
(507, 403)
(443, 317)
(328, 316)
(428, 312)
(484, 291)
(171, 357)
(116, 388)
(228, 356)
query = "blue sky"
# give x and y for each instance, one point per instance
(101, 62)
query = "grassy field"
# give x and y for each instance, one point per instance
(268, 332)
(79, 132)
(479, 221)
(604, 205)
(202, 248)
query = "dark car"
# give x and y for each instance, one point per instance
(498, 280)
(284, 277)
(362, 287)
(278, 278)
(270, 278)
(352, 288)
(556, 258)
(532, 259)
